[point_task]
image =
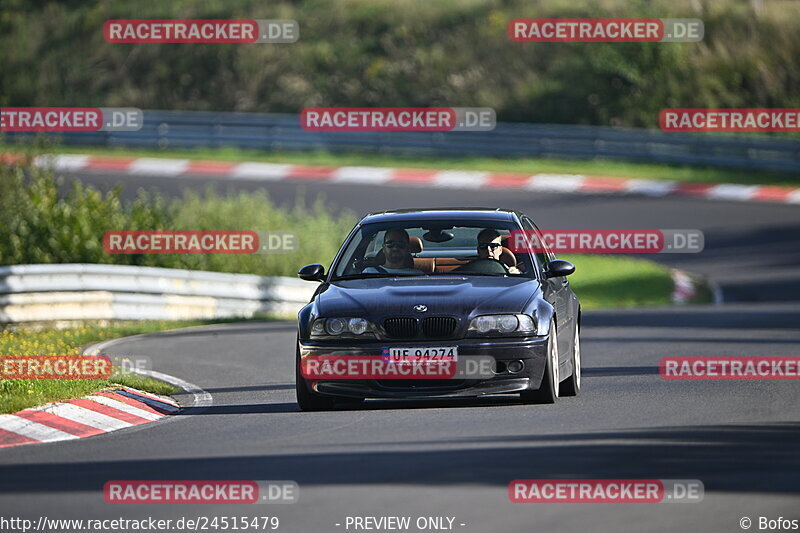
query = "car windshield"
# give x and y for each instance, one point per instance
(433, 248)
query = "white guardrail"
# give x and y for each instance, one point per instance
(38, 293)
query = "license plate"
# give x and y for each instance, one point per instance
(422, 354)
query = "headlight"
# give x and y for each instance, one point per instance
(483, 324)
(500, 324)
(507, 323)
(339, 327)
(357, 325)
(526, 323)
(335, 326)
(318, 328)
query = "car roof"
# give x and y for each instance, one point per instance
(439, 213)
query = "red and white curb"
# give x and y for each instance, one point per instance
(117, 407)
(109, 410)
(201, 399)
(456, 179)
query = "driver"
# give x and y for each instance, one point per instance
(398, 258)
(490, 246)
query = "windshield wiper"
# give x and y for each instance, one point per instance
(369, 275)
(455, 273)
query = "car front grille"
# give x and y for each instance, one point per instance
(401, 327)
(438, 327)
(434, 327)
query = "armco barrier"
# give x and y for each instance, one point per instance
(64, 292)
(184, 129)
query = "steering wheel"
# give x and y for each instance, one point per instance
(357, 265)
(485, 265)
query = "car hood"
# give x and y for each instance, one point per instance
(454, 296)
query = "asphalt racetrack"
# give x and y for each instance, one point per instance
(456, 458)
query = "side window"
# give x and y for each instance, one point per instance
(541, 257)
(354, 254)
(375, 244)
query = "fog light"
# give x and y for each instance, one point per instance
(515, 366)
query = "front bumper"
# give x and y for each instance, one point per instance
(531, 351)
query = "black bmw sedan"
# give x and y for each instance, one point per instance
(434, 303)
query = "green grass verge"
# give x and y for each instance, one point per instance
(607, 281)
(16, 394)
(515, 165)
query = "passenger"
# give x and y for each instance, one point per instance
(490, 246)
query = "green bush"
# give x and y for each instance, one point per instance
(40, 225)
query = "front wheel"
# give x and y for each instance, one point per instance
(548, 390)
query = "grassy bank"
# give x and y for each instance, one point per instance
(602, 281)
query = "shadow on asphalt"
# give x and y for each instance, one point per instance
(620, 371)
(587, 371)
(709, 340)
(243, 388)
(695, 318)
(375, 405)
(733, 458)
(227, 329)
(372, 405)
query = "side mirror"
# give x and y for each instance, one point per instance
(558, 268)
(312, 273)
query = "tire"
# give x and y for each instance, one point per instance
(306, 399)
(572, 385)
(548, 390)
